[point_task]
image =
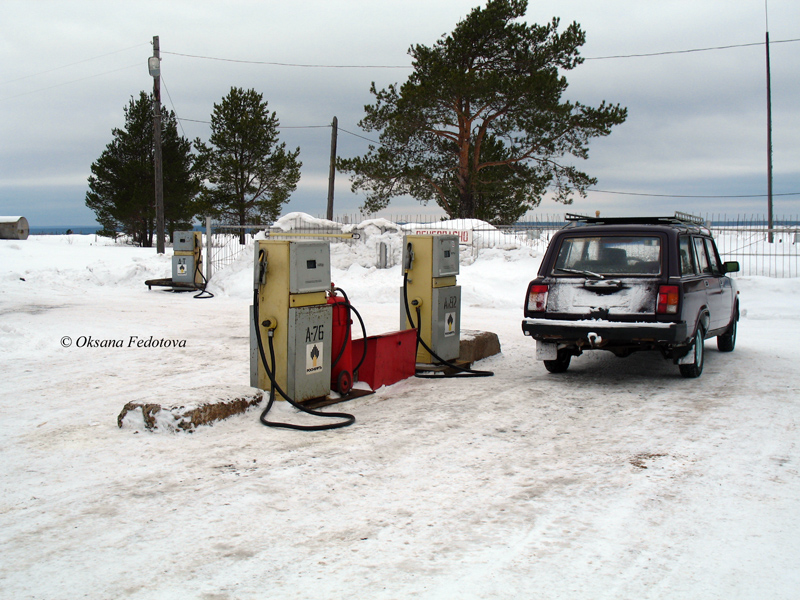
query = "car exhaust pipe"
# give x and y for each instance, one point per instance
(594, 339)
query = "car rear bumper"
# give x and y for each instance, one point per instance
(589, 332)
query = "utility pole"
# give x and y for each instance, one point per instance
(769, 146)
(154, 66)
(332, 170)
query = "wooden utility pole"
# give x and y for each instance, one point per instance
(769, 148)
(154, 65)
(332, 170)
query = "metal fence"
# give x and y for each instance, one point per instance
(226, 243)
(743, 239)
(747, 240)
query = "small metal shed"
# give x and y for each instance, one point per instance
(13, 228)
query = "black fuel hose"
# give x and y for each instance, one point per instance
(204, 294)
(347, 418)
(350, 308)
(462, 371)
(364, 334)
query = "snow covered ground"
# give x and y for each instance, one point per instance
(617, 479)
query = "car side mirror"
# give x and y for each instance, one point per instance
(731, 266)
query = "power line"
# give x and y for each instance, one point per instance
(638, 193)
(720, 196)
(316, 66)
(138, 64)
(319, 66)
(689, 51)
(174, 110)
(279, 126)
(71, 64)
(271, 63)
(691, 195)
(647, 195)
(280, 64)
(359, 136)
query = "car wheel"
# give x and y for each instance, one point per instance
(699, 355)
(727, 341)
(560, 364)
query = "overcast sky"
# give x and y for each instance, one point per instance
(697, 121)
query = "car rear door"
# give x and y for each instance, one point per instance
(606, 275)
(692, 282)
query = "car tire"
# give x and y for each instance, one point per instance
(727, 341)
(698, 348)
(560, 364)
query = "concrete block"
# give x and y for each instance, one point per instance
(476, 345)
(202, 406)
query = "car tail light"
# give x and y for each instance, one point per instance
(668, 298)
(537, 298)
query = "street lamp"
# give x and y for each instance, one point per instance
(154, 66)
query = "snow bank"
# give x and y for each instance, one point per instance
(299, 220)
(374, 238)
(617, 479)
(41, 259)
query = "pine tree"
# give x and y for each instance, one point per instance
(250, 175)
(122, 183)
(480, 126)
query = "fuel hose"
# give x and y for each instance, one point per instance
(346, 419)
(462, 371)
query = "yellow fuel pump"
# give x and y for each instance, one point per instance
(291, 278)
(290, 327)
(431, 296)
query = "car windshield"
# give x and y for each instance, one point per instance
(609, 255)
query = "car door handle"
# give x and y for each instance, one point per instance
(706, 282)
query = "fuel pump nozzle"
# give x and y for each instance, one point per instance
(260, 272)
(409, 257)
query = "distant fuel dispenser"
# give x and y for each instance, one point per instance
(187, 265)
(430, 295)
(187, 258)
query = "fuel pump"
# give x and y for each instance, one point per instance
(430, 266)
(430, 300)
(187, 259)
(187, 262)
(291, 314)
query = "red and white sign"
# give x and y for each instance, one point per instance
(464, 235)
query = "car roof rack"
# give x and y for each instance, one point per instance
(679, 218)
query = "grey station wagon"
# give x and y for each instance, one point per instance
(628, 284)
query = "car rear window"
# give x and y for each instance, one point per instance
(609, 255)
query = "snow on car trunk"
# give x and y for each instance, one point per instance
(616, 297)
